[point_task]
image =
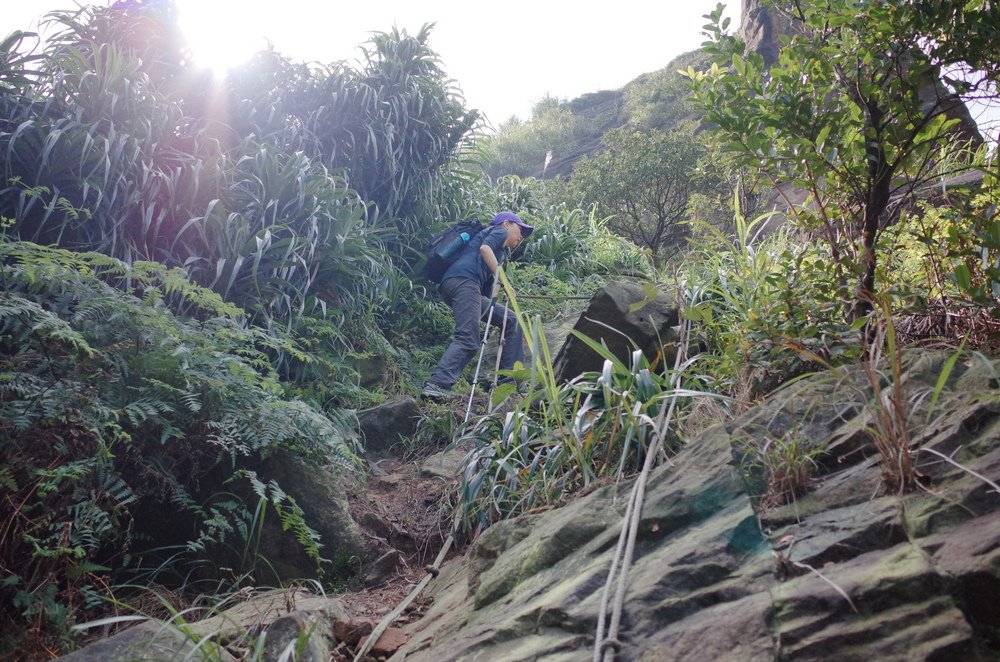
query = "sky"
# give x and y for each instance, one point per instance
(505, 56)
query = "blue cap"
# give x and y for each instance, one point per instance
(513, 218)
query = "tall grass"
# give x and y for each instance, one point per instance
(766, 307)
(891, 405)
(561, 439)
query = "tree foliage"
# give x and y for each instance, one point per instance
(851, 112)
(643, 181)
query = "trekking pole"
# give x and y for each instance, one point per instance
(486, 336)
(503, 339)
(482, 350)
(500, 343)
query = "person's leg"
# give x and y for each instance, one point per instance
(513, 345)
(464, 297)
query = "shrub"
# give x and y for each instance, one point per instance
(109, 401)
(766, 309)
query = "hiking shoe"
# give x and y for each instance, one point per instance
(434, 392)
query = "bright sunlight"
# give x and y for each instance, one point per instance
(221, 34)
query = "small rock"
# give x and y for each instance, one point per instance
(445, 464)
(383, 567)
(352, 631)
(390, 641)
(392, 479)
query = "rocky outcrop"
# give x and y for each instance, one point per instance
(844, 571)
(603, 111)
(761, 28)
(531, 586)
(623, 316)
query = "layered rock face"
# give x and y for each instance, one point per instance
(761, 27)
(843, 572)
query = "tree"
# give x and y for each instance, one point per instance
(645, 181)
(853, 112)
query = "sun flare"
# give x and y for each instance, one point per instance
(221, 33)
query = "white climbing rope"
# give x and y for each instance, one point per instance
(607, 644)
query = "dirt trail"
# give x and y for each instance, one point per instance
(405, 517)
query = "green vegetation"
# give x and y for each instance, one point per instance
(767, 308)
(189, 282)
(187, 292)
(644, 181)
(845, 115)
(114, 405)
(525, 149)
(564, 438)
(661, 100)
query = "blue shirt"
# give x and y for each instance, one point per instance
(470, 263)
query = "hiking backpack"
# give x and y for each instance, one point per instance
(447, 245)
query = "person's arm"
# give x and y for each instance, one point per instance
(489, 257)
(491, 247)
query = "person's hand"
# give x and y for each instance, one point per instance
(496, 288)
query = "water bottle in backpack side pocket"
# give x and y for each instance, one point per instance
(451, 249)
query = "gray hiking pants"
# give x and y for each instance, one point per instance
(469, 307)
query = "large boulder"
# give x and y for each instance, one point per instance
(846, 571)
(283, 618)
(622, 315)
(320, 491)
(387, 425)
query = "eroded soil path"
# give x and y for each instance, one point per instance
(405, 515)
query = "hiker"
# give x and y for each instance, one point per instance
(466, 286)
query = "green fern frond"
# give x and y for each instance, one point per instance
(20, 317)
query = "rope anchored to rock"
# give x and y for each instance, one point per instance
(606, 644)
